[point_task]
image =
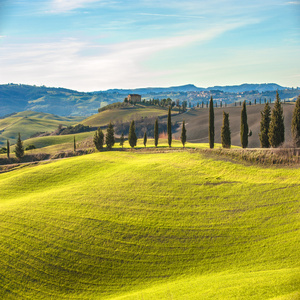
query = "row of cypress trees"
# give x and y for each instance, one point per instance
(132, 138)
(271, 126)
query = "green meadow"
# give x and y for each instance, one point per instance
(28, 123)
(138, 225)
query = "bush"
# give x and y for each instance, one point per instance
(76, 129)
(30, 147)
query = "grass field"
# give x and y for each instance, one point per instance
(127, 225)
(29, 122)
(124, 114)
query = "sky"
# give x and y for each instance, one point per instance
(92, 45)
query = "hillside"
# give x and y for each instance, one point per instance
(124, 114)
(59, 101)
(197, 124)
(64, 102)
(28, 123)
(196, 228)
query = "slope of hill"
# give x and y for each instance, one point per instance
(64, 102)
(17, 98)
(140, 226)
(197, 124)
(28, 123)
(124, 114)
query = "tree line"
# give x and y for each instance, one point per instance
(271, 130)
(271, 126)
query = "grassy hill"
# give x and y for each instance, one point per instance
(124, 114)
(197, 123)
(126, 225)
(30, 122)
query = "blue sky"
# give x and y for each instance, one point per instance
(90, 45)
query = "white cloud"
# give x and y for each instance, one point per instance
(60, 6)
(69, 63)
(294, 2)
(172, 16)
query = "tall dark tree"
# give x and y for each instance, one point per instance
(99, 139)
(122, 140)
(244, 126)
(74, 146)
(110, 136)
(7, 148)
(19, 149)
(211, 124)
(296, 123)
(169, 127)
(276, 130)
(264, 126)
(183, 134)
(225, 131)
(156, 132)
(145, 139)
(132, 136)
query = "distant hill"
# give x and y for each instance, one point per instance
(151, 90)
(124, 114)
(64, 102)
(192, 88)
(263, 87)
(28, 123)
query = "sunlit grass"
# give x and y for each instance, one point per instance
(148, 225)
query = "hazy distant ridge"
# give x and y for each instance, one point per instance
(262, 87)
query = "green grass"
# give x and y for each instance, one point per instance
(29, 122)
(126, 225)
(124, 114)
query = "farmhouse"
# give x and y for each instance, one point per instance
(134, 98)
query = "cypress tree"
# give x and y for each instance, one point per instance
(110, 136)
(265, 126)
(74, 144)
(244, 126)
(183, 134)
(19, 149)
(156, 132)
(145, 139)
(296, 123)
(99, 139)
(169, 127)
(7, 148)
(122, 140)
(276, 130)
(225, 131)
(211, 124)
(132, 136)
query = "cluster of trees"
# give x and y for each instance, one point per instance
(142, 125)
(109, 138)
(271, 126)
(75, 129)
(132, 136)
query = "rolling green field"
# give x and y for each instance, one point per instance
(124, 114)
(129, 225)
(29, 122)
